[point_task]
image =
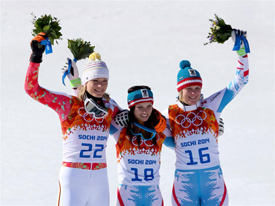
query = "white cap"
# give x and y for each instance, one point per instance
(95, 69)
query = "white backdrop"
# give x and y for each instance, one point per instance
(142, 42)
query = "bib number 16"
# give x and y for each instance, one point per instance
(203, 155)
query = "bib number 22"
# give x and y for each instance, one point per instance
(85, 153)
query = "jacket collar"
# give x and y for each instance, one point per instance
(188, 108)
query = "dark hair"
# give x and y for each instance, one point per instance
(150, 123)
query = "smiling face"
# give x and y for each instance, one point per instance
(97, 87)
(143, 111)
(190, 95)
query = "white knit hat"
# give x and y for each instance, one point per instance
(95, 68)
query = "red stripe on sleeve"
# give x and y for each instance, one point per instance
(240, 62)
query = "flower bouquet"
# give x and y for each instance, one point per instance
(221, 32)
(48, 26)
(80, 50)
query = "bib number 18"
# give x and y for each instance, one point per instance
(148, 174)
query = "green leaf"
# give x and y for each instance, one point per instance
(225, 36)
(80, 48)
(46, 28)
(51, 40)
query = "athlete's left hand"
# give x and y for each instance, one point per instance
(241, 49)
(221, 127)
(238, 32)
(122, 118)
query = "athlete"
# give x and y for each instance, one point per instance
(138, 149)
(85, 122)
(193, 122)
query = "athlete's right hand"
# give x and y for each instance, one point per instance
(37, 48)
(73, 76)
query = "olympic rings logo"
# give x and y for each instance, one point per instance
(143, 141)
(191, 118)
(88, 117)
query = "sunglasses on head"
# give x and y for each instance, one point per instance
(95, 109)
(144, 132)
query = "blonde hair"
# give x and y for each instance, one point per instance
(180, 96)
(81, 93)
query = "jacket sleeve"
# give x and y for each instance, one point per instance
(60, 103)
(169, 140)
(115, 130)
(222, 98)
(117, 108)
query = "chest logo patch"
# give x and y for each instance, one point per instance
(191, 118)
